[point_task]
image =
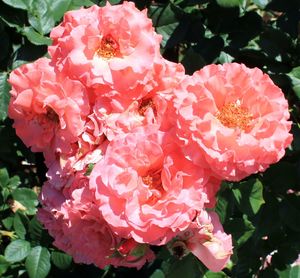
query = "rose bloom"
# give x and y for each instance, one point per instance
(48, 113)
(79, 229)
(206, 239)
(118, 114)
(233, 118)
(145, 187)
(62, 169)
(108, 48)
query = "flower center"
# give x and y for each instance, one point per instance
(145, 105)
(232, 115)
(153, 180)
(108, 48)
(51, 115)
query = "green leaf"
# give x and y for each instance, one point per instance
(59, 7)
(14, 182)
(221, 208)
(290, 272)
(230, 3)
(89, 169)
(17, 63)
(19, 226)
(166, 31)
(162, 16)
(61, 260)
(225, 58)
(295, 272)
(7, 184)
(192, 7)
(35, 37)
(27, 198)
(138, 251)
(40, 17)
(19, 4)
(240, 229)
(8, 222)
(4, 177)
(38, 262)
(114, 2)
(163, 254)
(225, 202)
(157, 274)
(294, 75)
(4, 264)
(188, 267)
(249, 196)
(261, 3)
(3, 203)
(35, 229)
(4, 95)
(165, 21)
(192, 60)
(210, 274)
(17, 250)
(79, 3)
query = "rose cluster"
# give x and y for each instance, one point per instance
(135, 148)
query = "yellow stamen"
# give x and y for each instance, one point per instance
(108, 48)
(153, 180)
(232, 115)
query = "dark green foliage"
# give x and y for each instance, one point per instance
(261, 213)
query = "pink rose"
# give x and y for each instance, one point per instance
(206, 239)
(103, 46)
(47, 113)
(118, 114)
(145, 187)
(92, 134)
(79, 229)
(135, 254)
(62, 169)
(233, 118)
